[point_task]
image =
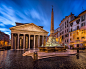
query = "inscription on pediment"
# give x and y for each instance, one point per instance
(30, 28)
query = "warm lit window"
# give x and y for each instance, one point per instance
(77, 33)
(73, 36)
(6, 43)
(83, 37)
(2, 43)
(70, 34)
(83, 31)
(70, 39)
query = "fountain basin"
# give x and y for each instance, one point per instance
(52, 49)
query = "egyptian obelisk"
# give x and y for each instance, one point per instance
(52, 40)
(52, 23)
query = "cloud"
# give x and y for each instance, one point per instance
(34, 14)
(4, 29)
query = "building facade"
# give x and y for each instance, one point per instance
(64, 30)
(27, 36)
(77, 34)
(4, 39)
(73, 30)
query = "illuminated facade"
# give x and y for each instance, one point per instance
(27, 36)
(72, 31)
(77, 34)
(63, 31)
(4, 39)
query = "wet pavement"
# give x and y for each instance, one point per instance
(13, 59)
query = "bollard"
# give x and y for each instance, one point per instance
(77, 55)
(35, 55)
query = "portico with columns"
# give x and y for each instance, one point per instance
(27, 36)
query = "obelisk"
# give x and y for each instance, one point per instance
(52, 40)
(52, 23)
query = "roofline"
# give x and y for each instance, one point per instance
(56, 28)
(27, 24)
(65, 19)
(74, 20)
(82, 13)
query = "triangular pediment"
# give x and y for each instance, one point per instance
(28, 27)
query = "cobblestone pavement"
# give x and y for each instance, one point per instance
(14, 60)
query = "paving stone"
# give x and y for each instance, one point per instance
(14, 60)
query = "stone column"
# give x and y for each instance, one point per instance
(29, 41)
(34, 41)
(15, 42)
(23, 41)
(18, 42)
(43, 40)
(11, 40)
(38, 40)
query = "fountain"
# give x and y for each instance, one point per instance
(51, 44)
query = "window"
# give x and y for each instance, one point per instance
(65, 26)
(83, 31)
(71, 29)
(78, 38)
(67, 40)
(83, 37)
(72, 18)
(73, 36)
(77, 27)
(83, 24)
(62, 37)
(62, 32)
(70, 39)
(65, 23)
(83, 18)
(71, 24)
(66, 35)
(78, 21)
(67, 30)
(77, 33)
(70, 34)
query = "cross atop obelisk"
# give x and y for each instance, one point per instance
(52, 23)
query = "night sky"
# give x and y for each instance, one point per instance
(37, 12)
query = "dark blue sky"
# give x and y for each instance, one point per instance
(37, 12)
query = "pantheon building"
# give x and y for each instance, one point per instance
(27, 36)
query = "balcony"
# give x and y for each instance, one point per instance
(74, 30)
